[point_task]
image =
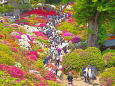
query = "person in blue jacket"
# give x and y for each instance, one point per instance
(84, 72)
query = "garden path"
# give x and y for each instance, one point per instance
(78, 82)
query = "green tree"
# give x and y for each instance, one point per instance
(36, 2)
(94, 12)
(5, 8)
(67, 1)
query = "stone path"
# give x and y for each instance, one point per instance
(78, 82)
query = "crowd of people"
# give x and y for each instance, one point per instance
(58, 47)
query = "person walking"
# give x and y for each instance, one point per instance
(84, 73)
(70, 79)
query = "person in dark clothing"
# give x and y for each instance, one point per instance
(70, 79)
(84, 73)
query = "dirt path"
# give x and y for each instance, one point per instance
(79, 82)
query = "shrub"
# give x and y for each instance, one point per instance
(90, 56)
(52, 83)
(108, 50)
(107, 78)
(6, 59)
(6, 80)
(6, 55)
(5, 48)
(109, 58)
(39, 64)
(69, 27)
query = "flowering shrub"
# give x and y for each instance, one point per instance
(109, 58)
(90, 56)
(75, 39)
(6, 80)
(40, 34)
(107, 78)
(12, 70)
(41, 12)
(31, 57)
(47, 74)
(68, 26)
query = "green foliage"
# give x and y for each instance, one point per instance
(6, 49)
(90, 56)
(86, 9)
(52, 83)
(67, 26)
(39, 63)
(107, 78)
(67, 1)
(6, 55)
(6, 8)
(36, 1)
(108, 50)
(109, 58)
(90, 31)
(109, 26)
(53, 1)
(42, 40)
(6, 59)
(102, 36)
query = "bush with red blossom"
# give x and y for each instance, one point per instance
(12, 70)
(41, 12)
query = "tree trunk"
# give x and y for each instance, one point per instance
(42, 4)
(92, 40)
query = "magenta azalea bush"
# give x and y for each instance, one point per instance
(12, 70)
(67, 34)
(32, 57)
(75, 39)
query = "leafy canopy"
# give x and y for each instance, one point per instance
(86, 9)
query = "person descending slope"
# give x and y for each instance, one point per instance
(70, 79)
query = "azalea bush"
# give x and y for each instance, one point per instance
(107, 78)
(109, 58)
(6, 79)
(68, 26)
(90, 56)
(48, 75)
(39, 64)
(6, 55)
(42, 40)
(12, 70)
(52, 83)
(6, 59)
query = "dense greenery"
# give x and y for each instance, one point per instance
(67, 26)
(88, 11)
(5, 8)
(107, 78)
(90, 56)
(109, 58)
(6, 55)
